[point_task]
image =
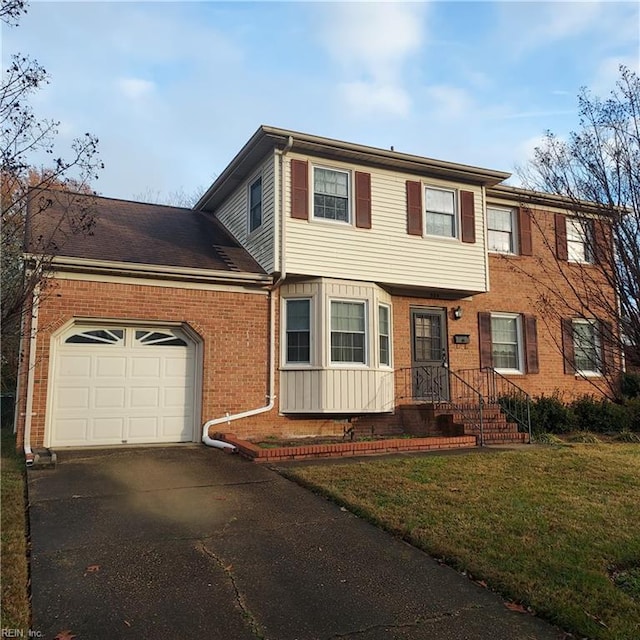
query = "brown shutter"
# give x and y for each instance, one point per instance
(567, 345)
(484, 338)
(414, 208)
(561, 237)
(602, 245)
(607, 342)
(300, 189)
(363, 200)
(468, 216)
(524, 232)
(531, 344)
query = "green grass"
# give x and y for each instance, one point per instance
(14, 609)
(555, 528)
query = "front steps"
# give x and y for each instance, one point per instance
(442, 419)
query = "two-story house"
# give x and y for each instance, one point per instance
(316, 286)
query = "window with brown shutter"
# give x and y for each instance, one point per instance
(414, 208)
(467, 216)
(531, 344)
(561, 237)
(524, 232)
(484, 338)
(607, 341)
(300, 189)
(602, 242)
(363, 199)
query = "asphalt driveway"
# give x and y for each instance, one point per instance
(188, 542)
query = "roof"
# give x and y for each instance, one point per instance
(94, 228)
(268, 138)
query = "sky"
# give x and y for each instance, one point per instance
(174, 89)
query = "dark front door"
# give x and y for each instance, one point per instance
(429, 353)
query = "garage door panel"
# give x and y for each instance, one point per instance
(73, 398)
(145, 367)
(71, 366)
(148, 397)
(108, 430)
(108, 367)
(123, 390)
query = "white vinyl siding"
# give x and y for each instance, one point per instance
(386, 253)
(502, 233)
(234, 211)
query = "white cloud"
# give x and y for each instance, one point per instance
(364, 98)
(135, 89)
(371, 43)
(448, 102)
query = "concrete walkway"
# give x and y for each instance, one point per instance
(187, 542)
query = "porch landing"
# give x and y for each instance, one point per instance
(308, 451)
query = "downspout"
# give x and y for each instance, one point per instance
(28, 453)
(228, 418)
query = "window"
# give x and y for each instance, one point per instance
(578, 241)
(159, 339)
(502, 230)
(441, 212)
(97, 336)
(348, 335)
(331, 194)
(298, 330)
(506, 342)
(383, 335)
(255, 204)
(586, 347)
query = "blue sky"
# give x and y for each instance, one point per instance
(174, 89)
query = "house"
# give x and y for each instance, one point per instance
(317, 287)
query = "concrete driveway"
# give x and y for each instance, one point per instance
(188, 542)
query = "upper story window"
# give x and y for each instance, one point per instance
(255, 204)
(579, 241)
(348, 332)
(501, 225)
(440, 206)
(331, 194)
(298, 328)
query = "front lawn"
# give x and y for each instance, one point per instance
(554, 528)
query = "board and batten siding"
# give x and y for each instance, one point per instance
(385, 253)
(234, 215)
(323, 387)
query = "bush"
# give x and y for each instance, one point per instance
(630, 385)
(633, 411)
(550, 415)
(599, 415)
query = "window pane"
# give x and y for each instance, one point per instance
(586, 347)
(440, 201)
(383, 329)
(298, 330)
(504, 337)
(500, 241)
(255, 205)
(347, 332)
(440, 224)
(499, 219)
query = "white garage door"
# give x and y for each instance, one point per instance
(123, 385)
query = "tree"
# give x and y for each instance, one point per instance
(596, 170)
(24, 139)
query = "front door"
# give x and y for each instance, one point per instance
(429, 353)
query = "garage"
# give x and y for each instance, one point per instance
(122, 385)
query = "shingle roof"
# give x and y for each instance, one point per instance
(131, 232)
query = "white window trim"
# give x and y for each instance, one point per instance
(350, 196)
(456, 212)
(249, 185)
(381, 364)
(285, 364)
(515, 248)
(588, 373)
(586, 242)
(367, 343)
(520, 338)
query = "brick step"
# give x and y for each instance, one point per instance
(491, 426)
(506, 438)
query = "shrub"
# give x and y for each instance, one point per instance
(584, 437)
(547, 438)
(549, 414)
(633, 411)
(599, 415)
(627, 436)
(630, 385)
